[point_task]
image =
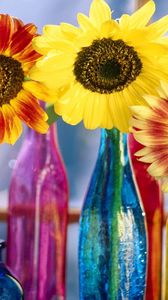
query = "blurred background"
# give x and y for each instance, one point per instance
(78, 146)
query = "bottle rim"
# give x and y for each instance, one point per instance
(2, 244)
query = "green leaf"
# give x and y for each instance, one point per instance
(52, 116)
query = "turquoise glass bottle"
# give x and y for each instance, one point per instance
(10, 288)
(112, 242)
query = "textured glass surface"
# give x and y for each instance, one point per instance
(10, 289)
(112, 246)
(151, 196)
(37, 223)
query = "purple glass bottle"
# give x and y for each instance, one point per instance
(37, 223)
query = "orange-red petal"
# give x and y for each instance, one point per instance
(12, 124)
(22, 38)
(6, 27)
(17, 24)
(29, 55)
(28, 110)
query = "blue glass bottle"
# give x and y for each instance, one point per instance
(112, 241)
(10, 288)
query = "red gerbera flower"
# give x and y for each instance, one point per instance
(18, 94)
(150, 128)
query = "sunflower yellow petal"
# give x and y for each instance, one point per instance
(164, 87)
(146, 85)
(52, 32)
(74, 118)
(64, 31)
(135, 36)
(41, 45)
(124, 22)
(40, 91)
(63, 46)
(73, 91)
(74, 114)
(52, 80)
(132, 97)
(36, 74)
(99, 13)
(108, 29)
(153, 49)
(87, 38)
(159, 27)
(120, 112)
(143, 15)
(69, 106)
(56, 62)
(107, 119)
(71, 32)
(85, 23)
(91, 112)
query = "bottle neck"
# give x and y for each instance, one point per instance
(50, 136)
(113, 143)
(2, 246)
(43, 146)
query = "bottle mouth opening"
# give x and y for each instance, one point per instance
(2, 244)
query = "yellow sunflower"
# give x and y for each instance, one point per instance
(104, 66)
(18, 94)
(150, 128)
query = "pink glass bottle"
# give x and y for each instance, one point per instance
(152, 199)
(37, 222)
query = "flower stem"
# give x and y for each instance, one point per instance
(117, 172)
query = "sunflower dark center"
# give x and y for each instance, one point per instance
(111, 69)
(107, 66)
(11, 78)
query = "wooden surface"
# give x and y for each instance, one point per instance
(73, 215)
